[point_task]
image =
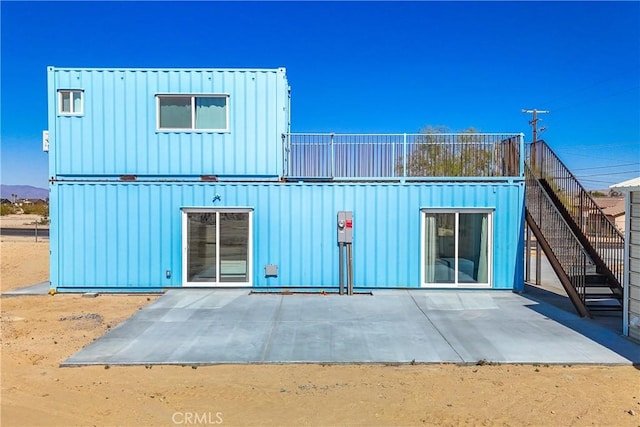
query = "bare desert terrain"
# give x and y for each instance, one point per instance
(39, 332)
(21, 221)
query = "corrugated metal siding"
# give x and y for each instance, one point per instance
(117, 134)
(117, 235)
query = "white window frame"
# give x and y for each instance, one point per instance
(185, 247)
(71, 92)
(490, 247)
(193, 97)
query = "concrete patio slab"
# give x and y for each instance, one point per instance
(41, 288)
(215, 326)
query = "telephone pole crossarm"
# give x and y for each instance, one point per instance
(534, 121)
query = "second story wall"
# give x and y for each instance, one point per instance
(167, 122)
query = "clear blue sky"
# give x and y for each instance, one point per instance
(358, 67)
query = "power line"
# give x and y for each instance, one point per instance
(591, 156)
(608, 174)
(598, 181)
(606, 167)
(594, 180)
(626, 144)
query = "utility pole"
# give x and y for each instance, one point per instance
(533, 161)
(534, 121)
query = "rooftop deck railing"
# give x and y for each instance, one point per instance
(330, 156)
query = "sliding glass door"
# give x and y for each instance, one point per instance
(457, 248)
(216, 247)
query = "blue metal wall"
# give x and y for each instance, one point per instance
(116, 134)
(125, 236)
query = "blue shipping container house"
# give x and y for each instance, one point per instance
(164, 178)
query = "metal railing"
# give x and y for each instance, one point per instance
(605, 240)
(559, 238)
(402, 156)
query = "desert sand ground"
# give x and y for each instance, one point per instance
(21, 221)
(39, 332)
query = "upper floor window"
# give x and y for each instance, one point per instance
(193, 112)
(70, 102)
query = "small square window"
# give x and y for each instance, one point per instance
(211, 112)
(175, 112)
(70, 102)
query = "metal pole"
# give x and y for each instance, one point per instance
(285, 159)
(580, 212)
(538, 263)
(527, 264)
(341, 265)
(534, 122)
(332, 158)
(346, 260)
(540, 225)
(404, 158)
(36, 230)
(393, 157)
(521, 150)
(535, 127)
(349, 269)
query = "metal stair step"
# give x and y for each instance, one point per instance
(604, 307)
(595, 285)
(596, 279)
(590, 283)
(601, 296)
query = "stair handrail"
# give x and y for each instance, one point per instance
(573, 260)
(602, 234)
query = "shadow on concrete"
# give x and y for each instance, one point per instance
(604, 329)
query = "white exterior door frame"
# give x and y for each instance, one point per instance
(223, 272)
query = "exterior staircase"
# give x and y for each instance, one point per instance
(584, 248)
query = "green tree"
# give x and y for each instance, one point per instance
(438, 152)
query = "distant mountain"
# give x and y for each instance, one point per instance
(23, 192)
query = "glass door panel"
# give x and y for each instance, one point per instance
(440, 248)
(201, 247)
(473, 248)
(234, 246)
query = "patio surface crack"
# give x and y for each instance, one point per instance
(274, 324)
(436, 328)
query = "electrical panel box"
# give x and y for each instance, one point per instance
(45, 140)
(270, 270)
(345, 227)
